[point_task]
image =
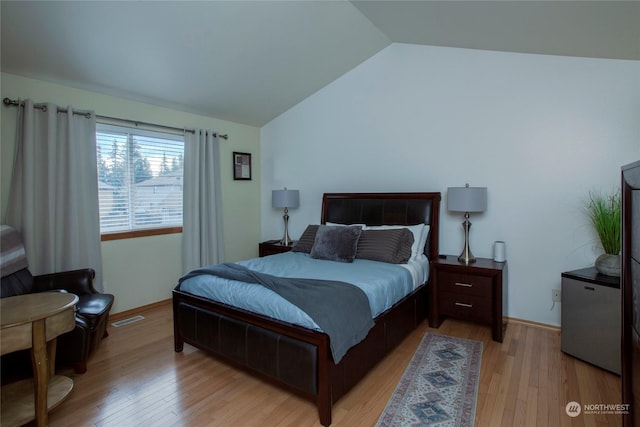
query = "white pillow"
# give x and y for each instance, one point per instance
(334, 224)
(419, 231)
(423, 240)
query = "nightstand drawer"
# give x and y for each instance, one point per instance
(466, 307)
(465, 284)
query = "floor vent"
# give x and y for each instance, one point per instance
(124, 322)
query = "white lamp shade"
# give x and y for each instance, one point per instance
(467, 199)
(285, 198)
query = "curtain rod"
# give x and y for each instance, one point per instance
(15, 103)
(43, 107)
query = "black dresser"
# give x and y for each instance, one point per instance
(631, 293)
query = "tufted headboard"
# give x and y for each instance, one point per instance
(386, 209)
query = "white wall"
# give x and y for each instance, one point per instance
(144, 270)
(539, 131)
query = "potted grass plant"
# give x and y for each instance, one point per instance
(604, 211)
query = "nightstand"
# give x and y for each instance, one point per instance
(474, 292)
(272, 247)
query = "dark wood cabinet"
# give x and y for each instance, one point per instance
(630, 279)
(272, 247)
(474, 292)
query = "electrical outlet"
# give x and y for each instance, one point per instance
(555, 295)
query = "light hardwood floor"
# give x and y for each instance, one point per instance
(137, 379)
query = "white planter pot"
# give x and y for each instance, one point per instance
(608, 265)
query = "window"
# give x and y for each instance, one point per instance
(139, 179)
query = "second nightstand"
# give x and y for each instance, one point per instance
(475, 292)
(272, 247)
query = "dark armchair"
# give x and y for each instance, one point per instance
(92, 310)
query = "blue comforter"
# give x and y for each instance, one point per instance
(384, 284)
(340, 309)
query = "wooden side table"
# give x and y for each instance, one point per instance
(34, 321)
(474, 292)
(272, 247)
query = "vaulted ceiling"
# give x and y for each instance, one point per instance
(249, 61)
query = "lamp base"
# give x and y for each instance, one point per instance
(466, 256)
(286, 240)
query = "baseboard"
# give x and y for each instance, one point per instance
(129, 313)
(534, 324)
(132, 312)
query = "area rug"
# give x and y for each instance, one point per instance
(439, 387)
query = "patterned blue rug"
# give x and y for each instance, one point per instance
(439, 387)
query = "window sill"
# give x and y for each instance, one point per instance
(140, 233)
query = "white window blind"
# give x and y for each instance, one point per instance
(139, 178)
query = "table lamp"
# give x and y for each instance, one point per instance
(467, 199)
(285, 199)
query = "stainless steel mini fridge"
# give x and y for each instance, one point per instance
(591, 318)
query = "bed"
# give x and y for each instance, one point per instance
(300, 358)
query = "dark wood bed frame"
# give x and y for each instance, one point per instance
(297, 358)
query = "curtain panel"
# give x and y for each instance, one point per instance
(202, 236)
(53, 198)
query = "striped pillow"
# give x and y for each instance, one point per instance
(305, 242)
(392, 245)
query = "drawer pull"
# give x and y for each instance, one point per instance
(464, 285)
(589, 288)
(462, 304)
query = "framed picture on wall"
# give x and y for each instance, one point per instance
(241, 166)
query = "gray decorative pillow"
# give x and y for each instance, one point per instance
(305, 242)
(336, 243)
(392, 245)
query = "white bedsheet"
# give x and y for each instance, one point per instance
(383, 283)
